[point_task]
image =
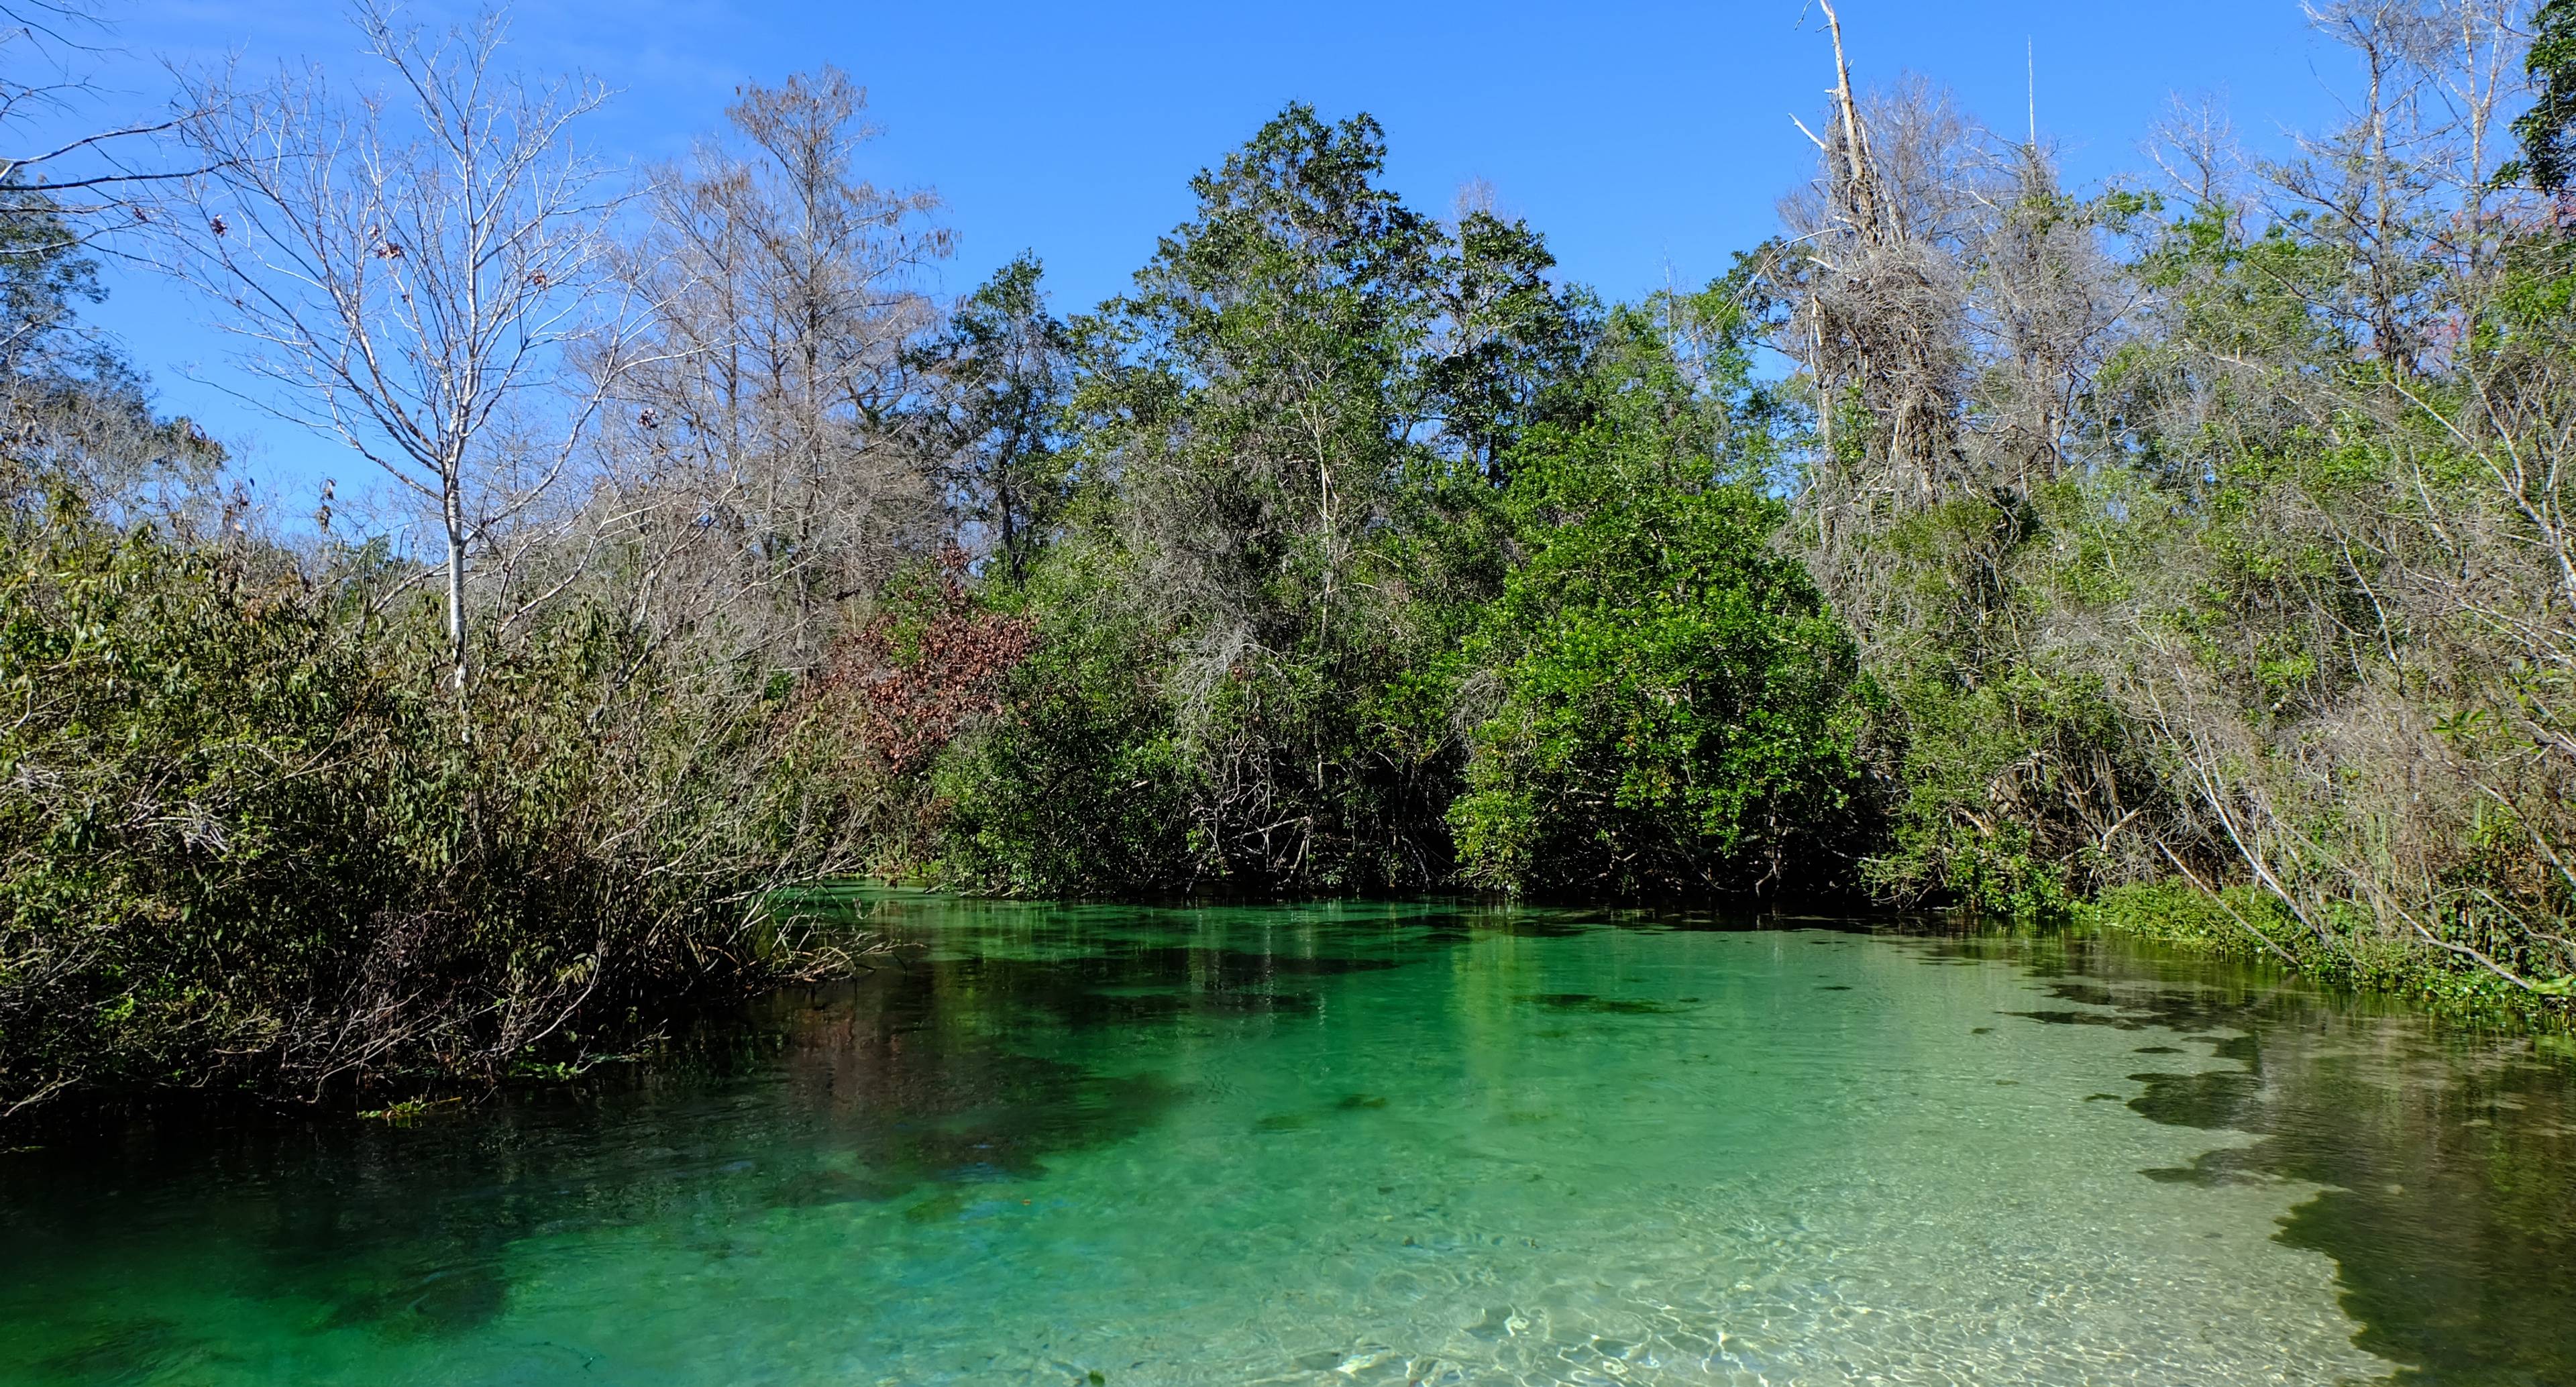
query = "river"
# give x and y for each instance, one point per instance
(1375, 1143)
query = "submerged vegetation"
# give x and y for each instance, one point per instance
(2190, 554)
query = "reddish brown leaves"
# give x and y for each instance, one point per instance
(923, 679)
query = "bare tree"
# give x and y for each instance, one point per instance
(758, 446)
(1874, 282)
(413, 267)
(2401, 191)
(1951, 306)
(79, 175)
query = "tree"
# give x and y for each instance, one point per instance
(1503, 337)
(1284, 440)
(1673, 706)
(2548, 130)
(1006, 364)
(77, 426)
(416, 272)
(1253, 405)
(1261, 406)
(76, 423)
(762, 439)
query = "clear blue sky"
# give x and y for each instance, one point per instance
(1645, 140)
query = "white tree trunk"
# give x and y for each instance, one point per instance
(454, 514)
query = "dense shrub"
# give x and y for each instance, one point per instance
(249, 838)
(1673, 707)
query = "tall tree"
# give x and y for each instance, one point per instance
(1005, 363)
(1253, 392)
(1287, 435)
(77, 427)
(1504, 336)
(760, 433)
(416, 271)
(1254, 403)
(1673, 706)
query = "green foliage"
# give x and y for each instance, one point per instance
(188, 756)
(1084, 788)
(1396, 565)
(1008, 360)
(80, 431)
(1350, 551)
(2548, 130)
(2247, 923)
(248, 841)
(1996, 810)
(1674, 708)
(1285, 434)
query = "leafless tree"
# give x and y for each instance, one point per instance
(410, 267)
(1875, 291)
(86, 176)
(2401, 188)
(1951, 306)
(757, 450)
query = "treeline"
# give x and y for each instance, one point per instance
(2189, 553)
(2208, 533)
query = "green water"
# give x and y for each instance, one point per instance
(1374, 1144)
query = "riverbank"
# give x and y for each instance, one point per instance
(2243, 923)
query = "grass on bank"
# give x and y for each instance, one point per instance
(2243, 922)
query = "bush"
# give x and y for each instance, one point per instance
(250, 840)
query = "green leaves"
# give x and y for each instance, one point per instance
(242, 842)
(1396, 561)
(1678, 711)
(1287, 435)
(2548, 130)
(1008, 364)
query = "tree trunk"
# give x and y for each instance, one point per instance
(454, 514)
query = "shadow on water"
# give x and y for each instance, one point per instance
(2448, 1155)
(914, 1083)
(925, 1076)
(1602, 1006)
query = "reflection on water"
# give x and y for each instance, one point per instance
(1375, 1143)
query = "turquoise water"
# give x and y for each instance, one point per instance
(1374, 1144)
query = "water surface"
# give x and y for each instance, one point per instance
(1390, 1144)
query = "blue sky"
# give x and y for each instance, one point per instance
(1648, 141)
